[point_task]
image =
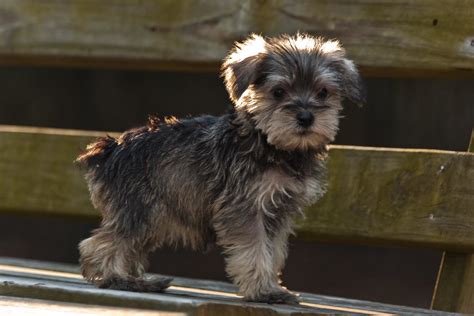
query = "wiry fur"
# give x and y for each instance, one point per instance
(236, 180)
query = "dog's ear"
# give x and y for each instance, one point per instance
(352, 85)
(350, 80)
(240, 67)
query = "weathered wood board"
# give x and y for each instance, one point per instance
(37, 174)
(382, 196)
(56, 282)
(388, 36)
(454, 290)
(396, 197)
(16, 306)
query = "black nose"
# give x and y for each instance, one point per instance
(305, 118)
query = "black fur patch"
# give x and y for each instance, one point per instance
(156, 284)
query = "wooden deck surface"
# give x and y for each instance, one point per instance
(34, 287)
(15, 306)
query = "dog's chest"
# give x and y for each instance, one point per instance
(276, 189)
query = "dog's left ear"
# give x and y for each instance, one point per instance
(352, 85)
(240, 67)
(351, 82)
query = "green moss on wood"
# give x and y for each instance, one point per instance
(400, 35)
(396, 197)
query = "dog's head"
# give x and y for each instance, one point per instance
(291, 88)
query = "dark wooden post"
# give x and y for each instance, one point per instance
(454, 289)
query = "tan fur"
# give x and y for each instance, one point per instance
(250, 261)
(271, 183)
(104, 256)
(280, 247)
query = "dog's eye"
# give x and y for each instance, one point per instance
(278, 93)
(323, 94)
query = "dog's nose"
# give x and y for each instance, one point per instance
(305, 118)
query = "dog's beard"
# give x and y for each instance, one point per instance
(281, 126)
(284, 132)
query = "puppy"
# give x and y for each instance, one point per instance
(237, 180)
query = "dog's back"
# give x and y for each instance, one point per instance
(151, 172)
(97, 152)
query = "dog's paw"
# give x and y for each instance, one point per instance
(280, 297)
(154, 284)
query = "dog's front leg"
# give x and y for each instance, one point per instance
(250, 257)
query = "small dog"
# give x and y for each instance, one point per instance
(237, 180)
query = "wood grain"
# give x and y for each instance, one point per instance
(38, 175)
(454, 289)
(375, 195)
(14, 306)
(383, 37)
(39, 280)
(396, 197)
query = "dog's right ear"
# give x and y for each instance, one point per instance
(240, 67)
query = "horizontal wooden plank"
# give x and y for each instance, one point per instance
(396, 197)
(381, 196)
(15, 306)
(38, 175)
(400, 36)
(174, 300)
(32, 279)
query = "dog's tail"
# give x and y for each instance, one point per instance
(97, 152)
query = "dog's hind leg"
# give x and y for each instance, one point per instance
(115, 262)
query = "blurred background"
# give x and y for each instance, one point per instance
(405, 111)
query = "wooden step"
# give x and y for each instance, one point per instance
(26, 281)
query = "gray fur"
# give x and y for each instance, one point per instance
(237, 180)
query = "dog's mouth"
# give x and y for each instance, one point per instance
(311, 134)
(304, 131)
